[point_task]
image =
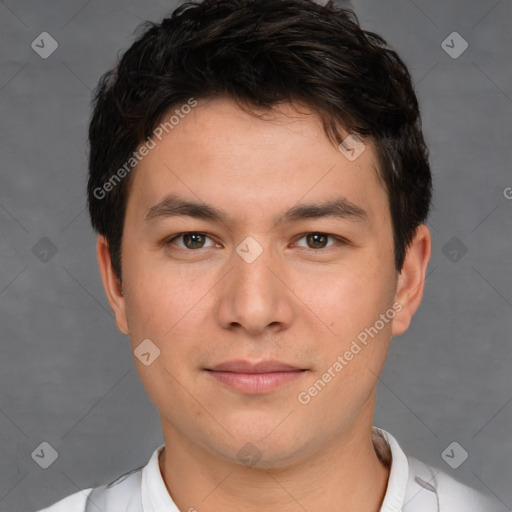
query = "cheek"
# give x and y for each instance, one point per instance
(354, 351)
(351, 298)
(168, 306)
(162, 310)
(154, 293)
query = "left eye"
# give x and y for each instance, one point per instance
(318, 240)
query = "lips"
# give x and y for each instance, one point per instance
(240, 366)
(255, 378)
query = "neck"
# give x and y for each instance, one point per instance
(349, 474)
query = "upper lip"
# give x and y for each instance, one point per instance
(240, 366)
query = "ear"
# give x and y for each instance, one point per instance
(412, 279)
(111, 284)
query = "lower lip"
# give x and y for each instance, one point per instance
(256, 383)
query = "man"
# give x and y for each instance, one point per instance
(260, 185)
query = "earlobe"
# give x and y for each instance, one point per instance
(111, 284)
(411, 280)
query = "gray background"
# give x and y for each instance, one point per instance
(67, 376)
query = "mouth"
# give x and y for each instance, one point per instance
(255, 378)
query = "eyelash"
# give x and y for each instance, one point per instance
(339, 240)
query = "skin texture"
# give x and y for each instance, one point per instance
(299, 303)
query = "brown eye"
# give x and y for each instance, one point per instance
(191, 240)
(318, 240)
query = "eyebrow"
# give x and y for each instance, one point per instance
(172, 206)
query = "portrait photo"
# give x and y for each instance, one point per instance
(256, 255)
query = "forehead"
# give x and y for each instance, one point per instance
(254, 163)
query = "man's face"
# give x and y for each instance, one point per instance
(250, 289)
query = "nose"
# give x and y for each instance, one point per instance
(255, 296)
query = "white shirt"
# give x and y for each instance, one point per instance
(403, 494)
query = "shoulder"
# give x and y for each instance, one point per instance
(452, 494)
(72, 503)
(117, 494)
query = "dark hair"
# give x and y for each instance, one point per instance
(260, 53)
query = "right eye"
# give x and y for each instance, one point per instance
(191, 239)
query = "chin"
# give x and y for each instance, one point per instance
(263, 448)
